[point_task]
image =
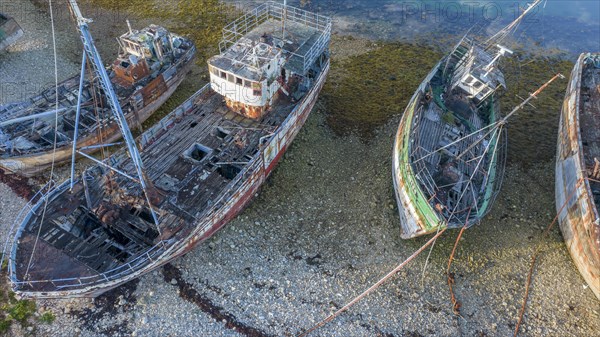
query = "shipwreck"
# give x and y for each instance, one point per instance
(450, 148)
(151, 64)
(10, 31)
(194, 171)
(578, 168)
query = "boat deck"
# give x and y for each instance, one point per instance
(104, 222)
(241, 58)
(589, 107)
(447, 163)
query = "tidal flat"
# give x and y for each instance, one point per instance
(325, 225)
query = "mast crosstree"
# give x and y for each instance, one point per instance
(99, 72)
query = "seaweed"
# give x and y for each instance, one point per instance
(364, 91)
(533, 131)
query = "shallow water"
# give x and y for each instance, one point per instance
(573, 26)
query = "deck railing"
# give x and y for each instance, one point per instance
(234, 31)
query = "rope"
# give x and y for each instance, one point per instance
(536, 253)
(455, 303)
(55, 139)
(373, 287)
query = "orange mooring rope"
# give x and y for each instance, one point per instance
(536, 253)
(373, 287)
(455, 303)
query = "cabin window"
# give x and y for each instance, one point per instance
(213, 70)
(485, 91)
(239, 81)
(256, 86)
(477, 84)
(223, 74)
(469, 79)
(247, 84)
(257, 92)
(230, 78)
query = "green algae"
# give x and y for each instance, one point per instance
(12, 309)
(532, 131)
(200, 20)
(364, 91)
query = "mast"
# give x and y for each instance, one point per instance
(100, 72)
(283, 21)
(503, 33)
(531, 96)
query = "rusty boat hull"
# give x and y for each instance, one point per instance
(239, 193)
(10, 31)
(139, 101)
(576, 186)
(189, 175)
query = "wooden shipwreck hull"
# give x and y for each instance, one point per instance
(577, 179)
(204, 162)
(27, 146)
(191, 229)
(10, 31)
(447, 166)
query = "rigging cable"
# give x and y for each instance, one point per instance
(373, 287)
(450, 276)
(50, 180)
(537, 252)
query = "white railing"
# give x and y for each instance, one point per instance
(234, 31)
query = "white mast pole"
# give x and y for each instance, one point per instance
(499, 36)
(100, 72)
(284, 14)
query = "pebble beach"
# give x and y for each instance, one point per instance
(321, 230)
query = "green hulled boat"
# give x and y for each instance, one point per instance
(450, 149)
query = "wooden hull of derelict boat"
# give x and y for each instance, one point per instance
(575, 193)
(238, 194)
(31, 164)
(418, 215)
(10, 31)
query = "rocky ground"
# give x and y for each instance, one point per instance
(321, 230)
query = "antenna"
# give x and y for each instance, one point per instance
(100, 72)
(502, 51)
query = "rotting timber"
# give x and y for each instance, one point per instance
(450, 148)
(578, 168)
(457, 184)
(10, 31)
(151, 64)
(204, 162)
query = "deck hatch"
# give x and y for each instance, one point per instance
(197, 152)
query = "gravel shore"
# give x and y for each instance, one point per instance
(321, 230)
